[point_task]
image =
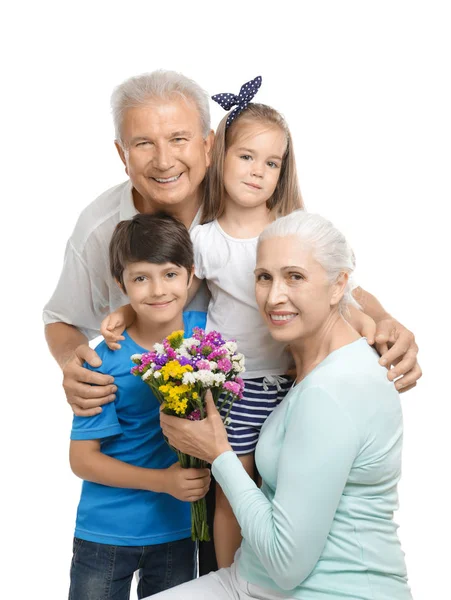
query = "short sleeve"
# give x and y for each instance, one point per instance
(97, 427)
(75, 297)
(197, 238)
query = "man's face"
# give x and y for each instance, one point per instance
(165, 154)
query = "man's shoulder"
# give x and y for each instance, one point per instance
(100, 217)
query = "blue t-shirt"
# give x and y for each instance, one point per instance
(129, 430)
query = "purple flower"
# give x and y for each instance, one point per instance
(194, 416)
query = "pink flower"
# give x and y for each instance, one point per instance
(225, 365)
(232, 386)
(203, 364)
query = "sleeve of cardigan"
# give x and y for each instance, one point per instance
(288, 534)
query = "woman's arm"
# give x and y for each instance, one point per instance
(318, 450)
(288, 535)
(90, 464)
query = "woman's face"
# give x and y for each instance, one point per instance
(293, 293)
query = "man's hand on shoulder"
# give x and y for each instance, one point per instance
(398, 350)
(86, 391)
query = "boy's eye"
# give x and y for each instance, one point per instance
(171, 275)
(139, 279)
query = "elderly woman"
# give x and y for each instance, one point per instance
(321, 526)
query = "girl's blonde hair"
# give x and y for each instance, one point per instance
(287, 195)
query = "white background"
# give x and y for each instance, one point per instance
(365, 87)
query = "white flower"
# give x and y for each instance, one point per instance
(219, 379)
(188, 378)
(147, 375)
(231, 347)
(157, 374)
(213, 365)
(159, 348)
(136, 357)
(182, 351)
(227, 421)
(205, 377)
(188, 342)
(238, 357)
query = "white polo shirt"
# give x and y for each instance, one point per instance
(86, 291)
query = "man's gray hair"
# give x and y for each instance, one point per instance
(138, 90)
(328, 245)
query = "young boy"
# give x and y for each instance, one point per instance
(134, 511)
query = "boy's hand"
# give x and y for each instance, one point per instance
(111, 328)
(86, 390)
(188, 485)
(397, 347)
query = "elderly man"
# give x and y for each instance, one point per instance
(163, 137)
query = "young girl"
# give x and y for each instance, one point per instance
(251, 181)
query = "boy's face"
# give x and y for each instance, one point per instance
(157, 293)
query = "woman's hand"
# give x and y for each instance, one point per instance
(205, 439)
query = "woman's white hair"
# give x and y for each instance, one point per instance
(138, 90)
(328, 245)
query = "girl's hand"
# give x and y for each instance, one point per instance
(205, 439)
(114, 325)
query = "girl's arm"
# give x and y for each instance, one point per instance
(227, 532)
(90, 464)
(114, 325)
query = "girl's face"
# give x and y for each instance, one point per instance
(253, 163)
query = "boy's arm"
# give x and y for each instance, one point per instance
(85, 390)
(90, 464)
(394, 342)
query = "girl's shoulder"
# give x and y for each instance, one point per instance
(201, 233)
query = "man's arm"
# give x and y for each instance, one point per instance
(394, 342)
(85, 390)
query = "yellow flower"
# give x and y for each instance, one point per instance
(175, 339)
(173, 369)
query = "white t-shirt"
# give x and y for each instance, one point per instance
(228, 265)
(86, 291)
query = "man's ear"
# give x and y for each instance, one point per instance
(338, 288)
(121, 152)
(209, 146)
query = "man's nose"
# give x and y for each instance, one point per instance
(163, 159)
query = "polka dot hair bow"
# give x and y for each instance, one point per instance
(247, 92)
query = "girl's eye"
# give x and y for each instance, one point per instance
(273, 165)
(246, 157)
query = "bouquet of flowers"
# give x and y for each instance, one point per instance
(179, 371)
